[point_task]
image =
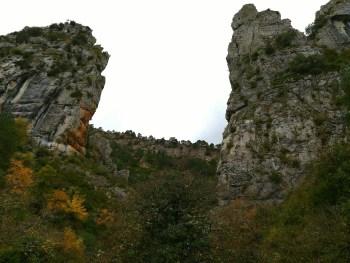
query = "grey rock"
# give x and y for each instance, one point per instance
(52, 77)
(275, 128)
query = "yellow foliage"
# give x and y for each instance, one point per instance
(105, 217)
(60, 202)
(72, 243)
(19, 177)
(77, 207)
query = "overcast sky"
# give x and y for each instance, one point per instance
(167, 75)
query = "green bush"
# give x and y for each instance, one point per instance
(285, 39)
(314, 28)
(333, 178)
(175, 225)
(269, 49)
(11, 138)
(29, 250)
(24, 35)
(328, 60)
(80, 39)
(76, 94)
(56, 36)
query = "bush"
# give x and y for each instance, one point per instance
(269, 49)
(80, 39)
(285, 39)
(77, 94)
(28, 249)
(59, 67)
(313, 28)
(333, 178)
(56, 36)
(24, 35)
(174, 221)
(12, 137)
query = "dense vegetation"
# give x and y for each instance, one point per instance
(64, 209)
(57, 208)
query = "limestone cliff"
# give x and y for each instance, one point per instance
(103, 145)
(283, 109)
(52, 77)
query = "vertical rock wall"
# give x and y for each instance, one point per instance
(280, 117)
(52, 77)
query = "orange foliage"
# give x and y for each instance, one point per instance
(19, 177)
(105, 217)
(72, 243)
(60, 202)
(77, 207)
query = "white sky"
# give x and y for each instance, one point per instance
(167, 75)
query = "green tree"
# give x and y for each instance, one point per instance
(11, 137)
(175, 223)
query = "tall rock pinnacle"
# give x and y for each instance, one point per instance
(52, 77)
(282, 111)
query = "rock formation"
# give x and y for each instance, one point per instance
(101, 142)
(52, 77)
(283, 110)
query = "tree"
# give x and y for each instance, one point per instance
(59, 201)
(19, 177)
(12, 135)
(175, 223)
(72, 244)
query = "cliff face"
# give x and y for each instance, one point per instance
(52, 77)
(283, 109)
(104, 145)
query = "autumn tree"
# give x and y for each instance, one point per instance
(59, 201)
(72, 244)
(76, 207)
(19, 177)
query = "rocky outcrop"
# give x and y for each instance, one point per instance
(172, 147)
(283, 110)
(52, 77)
(101, 142)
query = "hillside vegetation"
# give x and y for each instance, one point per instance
(70, 209)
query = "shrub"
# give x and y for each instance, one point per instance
(13, 135)
(269, 49)
(175, 226)
(76, 207)
(333, 177)
(56, 36)
(105, 217)
(285, 39)
(60, 66)
(19, 177)
(72, 244)
(313, 28)
(275, 178)
(328, 60)
(24, 35)
(80, 39)
(77, 94)
(28, 249)
(59, 201)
